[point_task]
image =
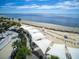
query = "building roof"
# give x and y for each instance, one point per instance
(59, 50)
(43, 44)
(37, 36)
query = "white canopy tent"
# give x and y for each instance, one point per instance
(74, 52)
(25, 27)
(37, 36)
(59, 50)
(43, 44)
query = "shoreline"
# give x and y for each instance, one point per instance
(52, 26)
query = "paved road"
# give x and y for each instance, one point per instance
(6, 46)
(7, 39)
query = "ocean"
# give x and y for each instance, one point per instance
(65, 20)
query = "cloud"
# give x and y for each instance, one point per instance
(43, 0)
(9, 4)
(34, 6)
(28, 0)
(69, 5)
(28, 6)
(60, 5)
(37, 0)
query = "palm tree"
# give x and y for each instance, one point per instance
(19, 19)
(21, 46)
(9, 19)
(23, 53)
(53, 57)
(16, 44)
(1, 18)
(1, 31)
(12, 19)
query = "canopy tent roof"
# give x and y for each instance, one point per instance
(43, 44)
(74, 52)
(36, 34)
(38, 38)
(26, 27)
(59, 50)
(33, 31)
(30, 29)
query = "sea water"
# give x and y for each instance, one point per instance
(65, 20)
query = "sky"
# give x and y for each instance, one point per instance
(40, 6)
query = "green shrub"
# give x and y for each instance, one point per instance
(53, 57)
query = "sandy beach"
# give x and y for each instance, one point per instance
(56, 33)
(52, 26)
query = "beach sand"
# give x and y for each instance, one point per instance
(56, 33)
